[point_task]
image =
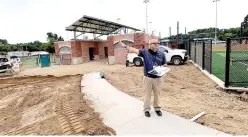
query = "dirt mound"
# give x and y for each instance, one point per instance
(47, 105)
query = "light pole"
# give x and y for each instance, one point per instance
(118, 20)
(146, 2)
(216, 21)
(241, 29)
(150, 27)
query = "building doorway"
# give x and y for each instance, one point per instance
(106, 52)
(64, 57)
(91, 53)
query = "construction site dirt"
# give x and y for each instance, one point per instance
(186, 92)
(47, 105)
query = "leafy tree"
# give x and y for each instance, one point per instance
(32, 46)
(49, 35)
(222, 37)
(228, 35)
(60, 38)
(3, 41)
(244, 27)
(245, 22)
(48, 47)
(222, 34)
(51, 38)
(245, 32)
(54, 36)
(5, 48)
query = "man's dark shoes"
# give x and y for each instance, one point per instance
(159, 113)
(147, 114)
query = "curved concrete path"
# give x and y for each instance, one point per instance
(124, 113)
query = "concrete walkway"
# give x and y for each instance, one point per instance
(124, 113)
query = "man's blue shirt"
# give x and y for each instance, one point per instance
(151, 59)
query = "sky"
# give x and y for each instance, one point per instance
(30, 20)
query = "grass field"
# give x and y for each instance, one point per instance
(29, 62)
(238, 69)
(218, 64)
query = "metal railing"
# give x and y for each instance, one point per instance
(230, 64)
(200, 52)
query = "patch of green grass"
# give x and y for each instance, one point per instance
(218, 66)
(29, 62)
(238, 73)
(238, 70)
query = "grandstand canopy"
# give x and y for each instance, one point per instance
(88, 24)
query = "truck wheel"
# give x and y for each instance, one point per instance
(138, 62)
(176, 60)
(127, 63)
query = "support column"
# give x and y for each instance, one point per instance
(111, 56)
(74, 35)
(96, 51)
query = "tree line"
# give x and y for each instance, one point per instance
(223, 34)
(32, 46)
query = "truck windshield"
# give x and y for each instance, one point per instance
(164, 48)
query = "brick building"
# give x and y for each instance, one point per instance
(81, 51)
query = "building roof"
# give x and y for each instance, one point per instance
(88, 24)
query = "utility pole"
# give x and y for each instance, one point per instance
(241, 32)
(241, 29)
(216, 20)
(146, 2)
(177, 33)
(185, 30)
(169, 31)
(150, 27)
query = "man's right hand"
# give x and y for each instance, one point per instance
(122, 44)
(129, 48)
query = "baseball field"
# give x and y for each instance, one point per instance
(238, 66)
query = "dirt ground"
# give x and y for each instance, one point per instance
(71, 69)
(219, 47)
(186, 92)
(47, 105)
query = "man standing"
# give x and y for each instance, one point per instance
(152, 58)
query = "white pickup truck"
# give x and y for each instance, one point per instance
(174, 56)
